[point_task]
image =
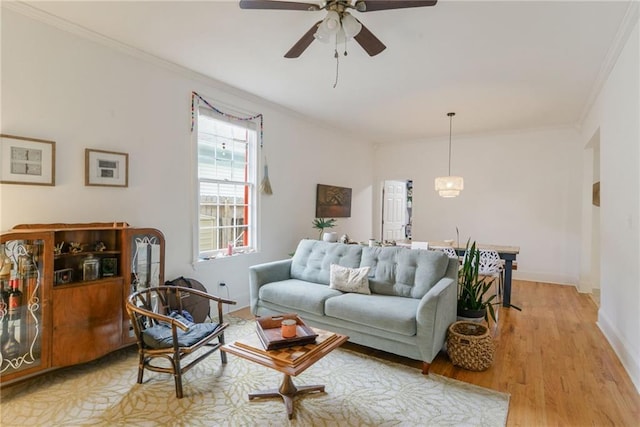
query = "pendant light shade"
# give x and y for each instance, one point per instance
(449, 186)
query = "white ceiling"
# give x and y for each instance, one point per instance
(500, 65)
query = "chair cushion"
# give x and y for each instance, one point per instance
(160, 336)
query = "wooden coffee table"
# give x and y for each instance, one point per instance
(291, 361)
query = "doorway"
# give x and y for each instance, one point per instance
(397, 205)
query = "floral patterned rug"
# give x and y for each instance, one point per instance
(360, 391)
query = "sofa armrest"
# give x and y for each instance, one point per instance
(436, 311)
(261, 274)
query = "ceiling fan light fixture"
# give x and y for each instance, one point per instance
(321, 34)
(332, 22)
(350, 25)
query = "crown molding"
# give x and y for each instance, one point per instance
(630, 19)
(482, 134)
(88, 34)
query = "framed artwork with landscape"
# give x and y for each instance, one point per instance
(27, 160)
(106, 168)
(333, 202)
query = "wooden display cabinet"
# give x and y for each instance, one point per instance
(75, 285)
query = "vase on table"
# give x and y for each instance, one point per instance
(330, 236)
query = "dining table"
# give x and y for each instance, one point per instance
(507, 254)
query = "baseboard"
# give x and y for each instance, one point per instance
(544, 278)
(629, 360)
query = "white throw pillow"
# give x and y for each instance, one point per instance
(349, 279)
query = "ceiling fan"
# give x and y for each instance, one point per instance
(338, 22)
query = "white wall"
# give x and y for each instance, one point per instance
(520, 189)
(616, 113)
(85, 94)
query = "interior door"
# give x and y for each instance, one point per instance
(394, 210)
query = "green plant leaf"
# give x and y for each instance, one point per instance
(473, 290)
(321, 224)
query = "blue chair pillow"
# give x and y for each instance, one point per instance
(159, 336)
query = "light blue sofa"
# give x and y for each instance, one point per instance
(412, 302)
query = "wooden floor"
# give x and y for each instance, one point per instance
(551, 358)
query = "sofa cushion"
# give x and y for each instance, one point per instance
(347, 279)
(313, 259)
(389, 313)
(402, 271)
(298, 295)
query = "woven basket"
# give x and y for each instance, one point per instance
(470, 345)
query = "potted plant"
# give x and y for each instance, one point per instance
(474, 302)
(321, 224)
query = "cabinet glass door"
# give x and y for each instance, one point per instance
(21, 282)
(146, 269)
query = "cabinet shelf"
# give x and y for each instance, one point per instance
(85, 254)
(115, 280)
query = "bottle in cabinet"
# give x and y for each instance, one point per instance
(5, 275)
(5, 331)
(15, 299)
(10, 347)
(4, 296)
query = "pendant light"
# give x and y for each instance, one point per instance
(449, 186)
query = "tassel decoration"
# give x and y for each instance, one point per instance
(265, 185)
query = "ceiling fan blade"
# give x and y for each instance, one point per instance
(282, 5)
(302, 44)
(373, 5)
(369, 42)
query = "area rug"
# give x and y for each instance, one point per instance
(360, 391)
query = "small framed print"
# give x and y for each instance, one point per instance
(27, 160)
(61, 277)
(106, 168)
(109, 267)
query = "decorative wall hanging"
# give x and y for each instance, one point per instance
(265, 185)
(27, 160)
(333, 202)
(106, 168)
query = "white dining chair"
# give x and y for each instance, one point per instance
(491, 266)
(448, 250)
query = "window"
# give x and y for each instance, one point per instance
(227, 170)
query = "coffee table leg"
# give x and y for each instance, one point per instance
(286, 391)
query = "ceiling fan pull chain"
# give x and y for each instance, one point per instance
(337, 56)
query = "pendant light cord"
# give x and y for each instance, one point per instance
(450, 121)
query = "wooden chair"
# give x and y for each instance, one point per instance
(164, 331)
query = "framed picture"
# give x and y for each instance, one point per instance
(27, 160)
(60, 277)
(109, 267)
(106, 168)
(333, 202)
